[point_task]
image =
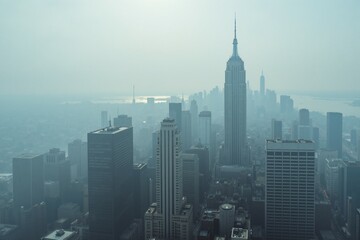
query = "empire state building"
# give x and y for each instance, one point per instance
(235, 109)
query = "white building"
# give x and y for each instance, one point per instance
(290, 190)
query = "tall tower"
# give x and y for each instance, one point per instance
(168, 174)
(110, 156)
(334, 128)
(290, 190)
(235, 108)
(262, 84)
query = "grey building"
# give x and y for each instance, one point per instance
(123, 121)
(290, 190)
(77, 155)
(276, 129)
(190, 178)
(110, 154)
(334, 128)
(194, 121)
(186, 130)
(235, 109)
(175, 110)
(28, 180)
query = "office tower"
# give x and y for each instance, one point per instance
(226, 218)
(262, 84)
(194, 121)
(270, 99)
(170, 217)
(235, 109)
(141, 190)
(290, 190)
(304, 116)
(286, 104)
(304, 127)
(110, 154)
(57, 168)
(77, 155)
(334, 132)
(104, 119)
(204, 169)
(186, 130)
(175, 113)
(205, 128)
(123, 121)
(276, 129)
(190, 176)
(28, 190)
(316, 137)
(294, 130)
(28, 180)
(332, 177)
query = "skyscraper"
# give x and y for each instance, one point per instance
(190, 177)
(276, 129)
(334, 132)
(104, 119)
(123, 121)
(186, 130)
(194, 121)
(205, 128)
(235, 108)
(175, 110)
(28, 180)
(262, 85)
(170, 217)
(290, 190)
(110, 154)
(77, 154)
(304, 128)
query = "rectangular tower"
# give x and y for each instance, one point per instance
(110, 154)
(334, 132)
(290, 190)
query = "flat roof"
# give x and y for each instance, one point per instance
(59, 235)
(109, 130)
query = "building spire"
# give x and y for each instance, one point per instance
(235, 50)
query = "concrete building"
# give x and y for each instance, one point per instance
(141, 190)
(205, 128)
(104, 119)
(276, 129)
(290, 190)
(110, 153)
(226, 218)
(123, 121)
(28, 180)
(170, 216)
(186, 139)
(175, 110)
(239, 234)
(235, 109)
(332, 177)
(194, 121)
(334, 128)
(286, 104)
(190, 177)
(57, 168)
(77, 155)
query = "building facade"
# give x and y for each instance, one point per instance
(235, 109)
(290, 190)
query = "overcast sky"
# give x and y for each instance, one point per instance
(175, 46)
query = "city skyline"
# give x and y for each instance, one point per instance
(101, 45)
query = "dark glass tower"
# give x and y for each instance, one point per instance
(334, 132)
(110, 154)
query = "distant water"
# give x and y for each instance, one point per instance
(327, 104)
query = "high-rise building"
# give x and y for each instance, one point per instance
(175, 110)
(332, 177)
(186, 130)
(28, 190)
(77, 155)
(123, 121)
(290, 190)
(194, 121)
(110, 154)
(286, 104)
(141, 190)
(190, 177)
(235, 109)
(304, 127)
(316, 137)
(57, 168)
(104, 119)
(170, 217)
(276, 129)
(205, 128)
(334, 128)
(28, 180)
(304, 116)
(262, 84)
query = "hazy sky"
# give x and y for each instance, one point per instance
(175, 46)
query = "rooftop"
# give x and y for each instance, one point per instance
(109, 130)
(60, 235)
